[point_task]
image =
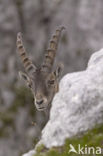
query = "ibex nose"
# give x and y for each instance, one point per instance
(39, 102)
(39, 99)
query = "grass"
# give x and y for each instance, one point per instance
(91, 138)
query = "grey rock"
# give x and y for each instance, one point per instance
(79, 104)
(30, 153)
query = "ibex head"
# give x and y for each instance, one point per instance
(42, 81)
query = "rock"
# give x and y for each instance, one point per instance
(30, 153)
(79, 104)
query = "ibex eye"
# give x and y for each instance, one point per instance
(29, 85)
(51, 82)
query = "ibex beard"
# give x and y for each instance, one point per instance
(43, 82)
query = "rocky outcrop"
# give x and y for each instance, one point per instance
(79, 104)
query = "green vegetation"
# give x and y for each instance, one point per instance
(7, 120)
(91, 138)
(23, 98)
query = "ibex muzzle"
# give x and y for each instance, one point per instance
(42, 81)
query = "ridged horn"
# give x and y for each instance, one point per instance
(51, 51)
(28, 65)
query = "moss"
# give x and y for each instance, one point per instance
(40, 148)
(3, 133)
(90, 138)
(23, 97)
(7, 121)
(6, 118)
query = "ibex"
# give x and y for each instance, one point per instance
(42, 81)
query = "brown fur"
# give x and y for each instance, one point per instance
(43, 82)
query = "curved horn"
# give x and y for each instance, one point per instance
(28, 65)
(51, 51)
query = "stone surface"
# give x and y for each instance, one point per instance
(30, 153)
(79, 104)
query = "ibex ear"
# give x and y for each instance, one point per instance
(24, 76)
(58, 70)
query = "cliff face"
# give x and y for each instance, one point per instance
(37, 20)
